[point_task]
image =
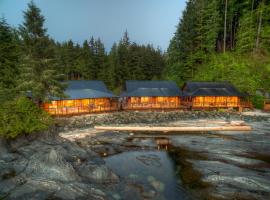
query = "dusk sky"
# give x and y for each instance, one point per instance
(147, 21)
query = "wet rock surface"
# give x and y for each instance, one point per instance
(236, 165)
(47, 168)
(227, 165)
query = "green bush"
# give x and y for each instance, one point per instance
(257, 101)
(221, 110)
(22, 116)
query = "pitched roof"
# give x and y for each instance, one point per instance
(210, 89)
(151, 89)
(82, 89)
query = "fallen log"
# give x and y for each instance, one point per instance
(174, 129)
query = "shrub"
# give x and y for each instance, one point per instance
(22, 116)
(257, 101)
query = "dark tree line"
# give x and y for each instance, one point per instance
(30, 60)
(215, 40)
(223, 40)
(125, 61)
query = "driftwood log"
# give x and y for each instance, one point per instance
(176, 129)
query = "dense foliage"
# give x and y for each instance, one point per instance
(223, 40)
(22, 116)
(37, 66)
(25, 70)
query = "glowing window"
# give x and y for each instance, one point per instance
(145, 99)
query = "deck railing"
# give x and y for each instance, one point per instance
(165, 105)
(246, 104)
(82, 109)
(228, 104)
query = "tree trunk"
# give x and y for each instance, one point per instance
(225, 27)
(231, 36)
(234, 29)
(259, 31)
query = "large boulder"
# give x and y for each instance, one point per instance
(98, 174)
(50, 166)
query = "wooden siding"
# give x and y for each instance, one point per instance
(219, 102)
(214, 102)
(151, 103)
(80, 106)
(266, 105)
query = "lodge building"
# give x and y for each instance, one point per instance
(83, 97)
(205, 95)
(141, 95)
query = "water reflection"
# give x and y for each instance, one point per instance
(153, 169)
(150, 160)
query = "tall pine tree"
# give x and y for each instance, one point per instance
(9, 60)
(38, 74)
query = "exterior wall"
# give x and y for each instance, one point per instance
(216, 102)
(79, 106)
(267, 105)
(151, 103)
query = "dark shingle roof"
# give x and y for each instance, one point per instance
(210, 89)
(151, 89)
(83, 89)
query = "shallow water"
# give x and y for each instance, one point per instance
(153, 168)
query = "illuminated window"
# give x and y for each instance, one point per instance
(145, 99)
(161, 99)
(134, 100)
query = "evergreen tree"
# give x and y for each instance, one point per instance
(186, 50)
(122, 68)
(9, 56)
(100, 59)
(38, 74)
(9, 60)
(209, 27)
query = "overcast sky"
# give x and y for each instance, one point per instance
(147, 21)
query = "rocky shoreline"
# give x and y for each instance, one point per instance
(151, 117)
(47, 166)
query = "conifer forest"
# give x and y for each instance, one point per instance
(222, 40)
(214, 40)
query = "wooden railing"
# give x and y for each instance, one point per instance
(228, 104)
(141, 106)
(167, 105)
(82, 109)
(246, 104)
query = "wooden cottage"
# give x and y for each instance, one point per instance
(150, 95)
(204, 95)
(83, 96)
